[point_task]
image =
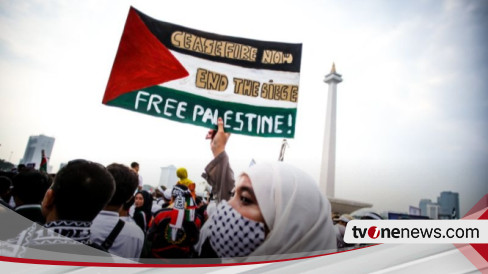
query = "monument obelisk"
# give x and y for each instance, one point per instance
(327, 172)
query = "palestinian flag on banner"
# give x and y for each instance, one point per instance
(191, 76)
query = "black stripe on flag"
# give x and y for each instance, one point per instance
(276, 55)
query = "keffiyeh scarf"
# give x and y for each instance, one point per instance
(232, 235)
(56, 232)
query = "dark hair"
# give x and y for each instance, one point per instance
(134, 164)
(30, 186)
(126, 206)
(81, 189)
(5, 184)
(126, 182)
(21, 167)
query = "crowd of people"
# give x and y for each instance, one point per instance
(270, 209)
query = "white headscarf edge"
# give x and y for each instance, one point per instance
(295, 211)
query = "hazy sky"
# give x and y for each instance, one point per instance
(412, 116)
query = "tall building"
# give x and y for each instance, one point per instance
(423, 206)
(33, 150)
(449, 205)
(327, 173)
(429, 209)
(168, 176)
(433, 211)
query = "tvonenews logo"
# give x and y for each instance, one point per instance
(373, 232)
(417, 231)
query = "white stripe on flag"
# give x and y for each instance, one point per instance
(192, 64)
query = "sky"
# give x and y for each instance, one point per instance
(412, 111)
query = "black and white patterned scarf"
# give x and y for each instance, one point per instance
(56, 232)
(232, 235)
(75, 230)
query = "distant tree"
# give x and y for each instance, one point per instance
(6, 166)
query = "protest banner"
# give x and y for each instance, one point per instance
(194, 77)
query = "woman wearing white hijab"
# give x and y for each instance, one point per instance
(276, 211)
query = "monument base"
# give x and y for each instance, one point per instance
(342, 206)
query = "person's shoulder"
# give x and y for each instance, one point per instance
(138, 213)
(31, 212)
(127, 219)
(132, 230)
(105, 218)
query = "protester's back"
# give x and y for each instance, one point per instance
(175, 229)
(120, 237)
(80, 190)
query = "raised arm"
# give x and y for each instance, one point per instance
(218, 172)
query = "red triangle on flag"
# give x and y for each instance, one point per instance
(141, 61)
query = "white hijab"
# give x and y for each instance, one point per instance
(297, 214)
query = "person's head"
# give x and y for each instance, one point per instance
(167, 194)
(159, 191)
(29, 187)
(143, 201)
(135, 166)
(21, 168)
(182, 174)
(244, 200)
(5, 188)
(138, 200)
(80, 190)
(126, 182)
(286, 204)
